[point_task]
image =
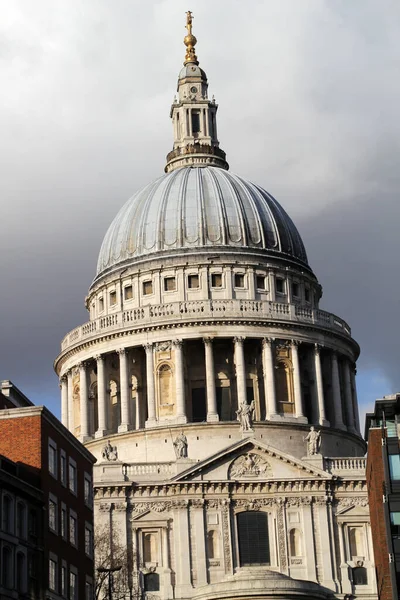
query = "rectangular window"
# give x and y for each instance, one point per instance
(147, 288)
(395, 524)
(394, 466)
(64, 518)
(253, 538)
(73, 585)
(169, 284)
(64, 580)
(239, 280)
(89, 591)
(307, 295)
(73, 483)
(88, 540)
(216, 280)
(193, 281)
(195, 122)
(73, 529)
(63, 467)
(88, 490)
(260, 280)
(295, 289)
(113, 298)
(52, 575)
(280, 286)
(53, 458)
(128, 292)
(101, 304)
(53, 514)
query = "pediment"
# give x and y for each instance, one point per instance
(352, 507)
(250, 460)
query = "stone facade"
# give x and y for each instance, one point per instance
(204, 311)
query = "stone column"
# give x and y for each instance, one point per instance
(125, 389)
(151, 392)
(272, 289)
(64, 400)
(269, 378)
(101, 398)
(320, 388)
(353, 373)
(240, 370)
(183, 582)
(179, 382)
(298, 401)
(84, 401)
(71, 425)
(337, 400)
(138, 415)
(212, 412)
(348, 397)
(197, 515)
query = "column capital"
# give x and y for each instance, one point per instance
(239, 339)
(318, 348)
(296, 343)
(177, 343)
(268, 341)
(122, 351)
(98, 357)
(82, 365)
(208, 340)
(63, 379)
(148, 347)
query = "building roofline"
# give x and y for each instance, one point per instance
(42, 411)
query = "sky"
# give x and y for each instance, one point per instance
(308, 95)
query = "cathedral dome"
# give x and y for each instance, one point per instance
(199, 208)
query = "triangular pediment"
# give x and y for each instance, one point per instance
(250, 460)
(347, 509)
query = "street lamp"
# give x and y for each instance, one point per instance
(109, 571)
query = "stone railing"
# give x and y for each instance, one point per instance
(203, 310)
(346, 466)
(142, 469)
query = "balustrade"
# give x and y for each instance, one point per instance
(179, 311)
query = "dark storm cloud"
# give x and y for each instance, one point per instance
(308, 94)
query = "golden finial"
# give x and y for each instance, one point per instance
(190, 41)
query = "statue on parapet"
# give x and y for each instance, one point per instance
(181, 446)
(245, 416)
(109, 452)
(313, 439)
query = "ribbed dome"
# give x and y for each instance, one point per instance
(193, 208)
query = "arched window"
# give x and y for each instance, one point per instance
(283, 388)
(115, 406)
(165, 385)
(7, 515)
(21, 572)
(212, 545)
(150, 550)
(21, 520)
(356, 540)
(253, 538)
(295, 542)
(7, 568)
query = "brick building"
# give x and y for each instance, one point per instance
(59, 469)
(382, 430)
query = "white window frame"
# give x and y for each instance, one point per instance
(52, 468)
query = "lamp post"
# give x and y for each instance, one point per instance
(109, 571)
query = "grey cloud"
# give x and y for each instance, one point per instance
(308, 94)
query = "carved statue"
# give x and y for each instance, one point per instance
(109, 452)
(181, 446)
(313, 439)
(189, 21)
(245, 415)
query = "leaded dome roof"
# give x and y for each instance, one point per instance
(195, 208)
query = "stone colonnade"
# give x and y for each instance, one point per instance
(342, 396)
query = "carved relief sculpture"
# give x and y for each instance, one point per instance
(250, 465)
